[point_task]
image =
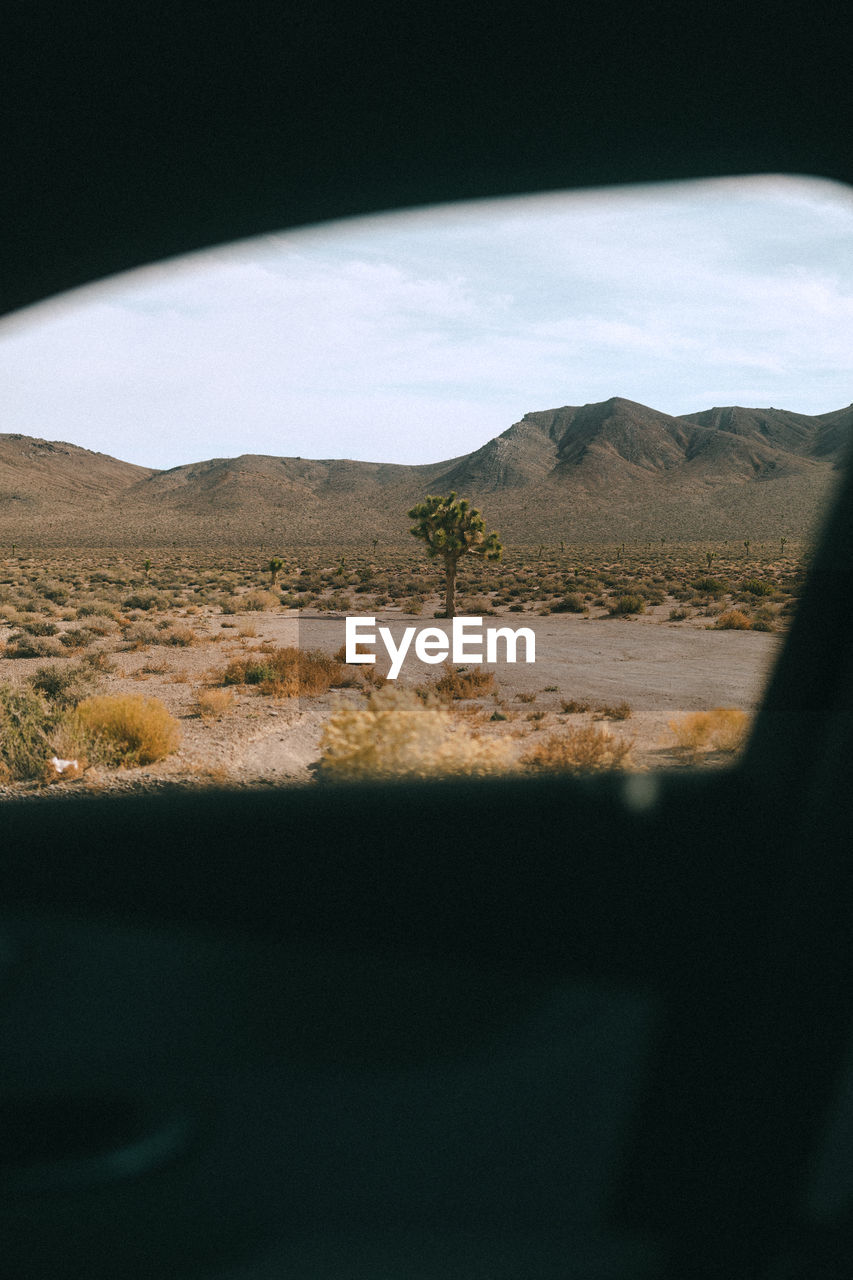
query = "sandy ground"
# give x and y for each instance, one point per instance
(660, 668)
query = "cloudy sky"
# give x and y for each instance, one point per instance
(414, 337)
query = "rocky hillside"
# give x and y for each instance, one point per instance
(593, 472)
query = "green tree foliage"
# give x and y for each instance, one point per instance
(452, 530)
(274, 567)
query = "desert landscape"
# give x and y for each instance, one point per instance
(630, 643)
(186, 628)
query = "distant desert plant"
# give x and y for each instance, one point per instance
(573, 706)
(287, 672)
(396, 735)
(256, 601)
(571, 603)
(708, 586)
(613, 711)
(64, 686)
(26, 646)
(627, 604)
(179, 636)
(140, 634)
(452, 531)
(39, 628)
(732, 620)
(123, 729)
(454, 683)
(582, 750)
(721, 729)
(212, 703)
(148, 601)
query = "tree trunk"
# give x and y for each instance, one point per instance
(450, 593)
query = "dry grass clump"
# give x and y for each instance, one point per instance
(455, 683)
(26, 722)
(256, 602)
(122, 730)
(721, 729)
(573, 706)
(397, 735)
(732, 620)
(627, 604)
(67, 685)
(287, 672)
(573, 602)
(181, 637)
(212, 703)
(27, 646)
(614, 711)
(582, 750)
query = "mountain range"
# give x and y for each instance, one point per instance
(591, 473)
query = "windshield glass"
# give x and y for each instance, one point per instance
(519, 485)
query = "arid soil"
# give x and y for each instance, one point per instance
(661, 669)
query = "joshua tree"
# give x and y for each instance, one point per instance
(451, 530)
(147, 567)
(782, 542)
(275, 567)
(710, 556)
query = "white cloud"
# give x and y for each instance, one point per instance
(418, 336)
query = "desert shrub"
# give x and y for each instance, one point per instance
(455, 683)
(627, 604)
(23, 646)
(582, 750)
(613, 711)
(180, 636)
(708, 586)
(733, 620)
(26, 722)
(39, 628)
(76, 638)
(572, 706)
(124, 729)
(214, 702)
(287, 672)
(678, 614)
(571, 603)
(97, 661)
(147, 601)
(755, 587)
(141, 634)
(256, 601)
(396, 735)
(98, 609)
(721, 729)
(98, 623)
(64, 686)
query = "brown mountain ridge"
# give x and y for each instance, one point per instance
(589, 473)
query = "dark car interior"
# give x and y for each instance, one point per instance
(497, 1029)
